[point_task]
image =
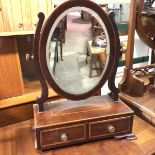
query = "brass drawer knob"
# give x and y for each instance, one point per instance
(111, 129)
(63, 137)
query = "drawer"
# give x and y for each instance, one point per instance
(109, 127)
(65, 135)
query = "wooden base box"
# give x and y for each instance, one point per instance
(75, 122)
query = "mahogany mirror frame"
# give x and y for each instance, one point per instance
(43, 40)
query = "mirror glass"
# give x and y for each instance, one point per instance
(77, 50)
(148, 18)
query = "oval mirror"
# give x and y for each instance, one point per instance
(146, 22)
(77, 49)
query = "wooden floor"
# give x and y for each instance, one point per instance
(18, 139)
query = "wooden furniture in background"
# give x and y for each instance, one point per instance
(59, 36)
(19, 139)
(11, 82)
(93, 53)
(141, 78)
(130, 46)
(143, 106)
(20, 108)
(137, 86)
(96, 27)
(18, 19)
(134, 24)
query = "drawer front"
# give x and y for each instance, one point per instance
(109, 127)
(63, 135)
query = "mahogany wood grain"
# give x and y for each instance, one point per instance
(131, 34)
(16, 114)
(36, 43)
(68, 112)
(111, 81)
(144, 106)
(11, 82)
(96, 114)
(99, 128)
(135, 82)
(75, 133)
(19, 138)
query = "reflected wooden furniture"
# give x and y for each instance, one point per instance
(96, 27)
(149, 2)
(94, 53)
(19, 139)
(59, 35)
(55, 4)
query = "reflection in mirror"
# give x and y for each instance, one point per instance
(76, 57)
(148, 18)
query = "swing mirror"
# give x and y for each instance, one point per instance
(77, 49)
